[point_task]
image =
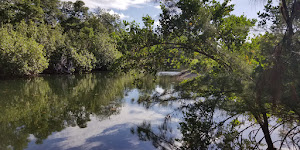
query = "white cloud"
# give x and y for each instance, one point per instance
(122, 16)
(113, 4)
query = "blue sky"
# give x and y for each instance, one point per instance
(135, 9)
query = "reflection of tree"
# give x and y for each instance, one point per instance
(241, 127)
(22, 105)
(42, 106)
(160, 139)
(148, 83)
(148, 95)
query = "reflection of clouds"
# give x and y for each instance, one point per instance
(159, 90)
(31, 137)
(110, 132)
(135, 112)
(134, 141)
(91, 145)
(76, 137)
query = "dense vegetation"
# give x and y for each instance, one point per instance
(254, 77)
(55, 37)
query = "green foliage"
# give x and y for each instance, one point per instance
(19, 54)
(234, 31)
(69, 60)
(71, 38)
(187, 36)
(14, 11)
(98, 44)
(51, 38)
(73, 15)
(256, 77)
(83, 60)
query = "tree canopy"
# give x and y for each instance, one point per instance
(255, 77)
(51, 36)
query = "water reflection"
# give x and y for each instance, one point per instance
(75, 112)
(214, 119)
(104, 111)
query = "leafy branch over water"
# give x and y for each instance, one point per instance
(257, 77)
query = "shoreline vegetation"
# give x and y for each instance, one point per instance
(55, 37)
(255, 76)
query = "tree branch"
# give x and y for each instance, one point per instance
(287, 136)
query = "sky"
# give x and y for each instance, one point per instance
(136, 9)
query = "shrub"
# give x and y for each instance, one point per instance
(20, 55)
(69, 60)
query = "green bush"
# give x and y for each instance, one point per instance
(50, 37)
(101, 45)
(40, 37)
(84, 60)
(69, 60)
(104, 50)
(20, 55)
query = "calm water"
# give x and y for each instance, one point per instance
(102, 111)
(91, 111)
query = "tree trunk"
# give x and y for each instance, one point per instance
(266, 131)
